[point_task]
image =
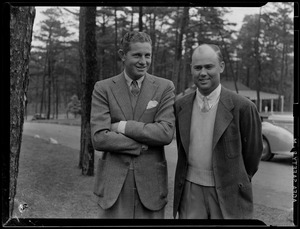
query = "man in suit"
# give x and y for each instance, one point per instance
(132, 118)
(219, 143)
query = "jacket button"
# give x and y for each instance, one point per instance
(144, 147)
(162, 196)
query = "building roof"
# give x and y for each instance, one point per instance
(251, 94)
(230, 85)
(247, 92)
(242, 90)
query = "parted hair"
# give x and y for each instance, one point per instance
(133, 36)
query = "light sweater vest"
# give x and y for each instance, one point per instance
(200, 147)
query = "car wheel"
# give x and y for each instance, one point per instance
(266, 154)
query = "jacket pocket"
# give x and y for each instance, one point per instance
(246, 200)
(162, 176)
(233, 146)
(99, 178)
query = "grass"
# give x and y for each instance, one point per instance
(51, 183)
(52, 186)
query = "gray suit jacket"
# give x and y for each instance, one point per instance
(153, 127)
(237, 148)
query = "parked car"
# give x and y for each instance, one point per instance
(276, 139)
(38, 116)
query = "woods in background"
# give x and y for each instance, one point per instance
(267, 52)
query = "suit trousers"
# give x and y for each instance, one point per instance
(199, 202)
(129, 205)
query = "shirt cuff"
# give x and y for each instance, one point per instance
(121, 127)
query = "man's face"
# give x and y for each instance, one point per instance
(206, 69)
(137, 60)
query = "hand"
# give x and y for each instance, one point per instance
(114, 127)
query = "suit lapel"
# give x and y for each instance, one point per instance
(121, 94)
(148, 89)
(223, 116)
(184, 120)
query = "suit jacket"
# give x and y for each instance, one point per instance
(237, 149)
(153, 127)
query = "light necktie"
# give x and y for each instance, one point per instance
(205, 107)
(134, 88)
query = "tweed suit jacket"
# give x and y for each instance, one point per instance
(237, 149)
(153, 126)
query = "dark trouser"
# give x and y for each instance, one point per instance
(199, 202)
(128, 204)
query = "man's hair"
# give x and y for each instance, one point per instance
(216, 48)
(132, 37)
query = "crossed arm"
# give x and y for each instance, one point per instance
(136, 135)
(157, 133)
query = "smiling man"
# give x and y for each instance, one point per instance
(219, 143)
(132, 119)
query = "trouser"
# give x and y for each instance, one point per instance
(199, 202)
(129, 205)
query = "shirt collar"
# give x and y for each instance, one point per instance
(129, 80)
(212, 98)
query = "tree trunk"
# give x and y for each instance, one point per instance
(131, 20)
(141, 19)
(82, 18)
(116, 70)
(44, 84)
(21, 25)
(102, 52)
(174, 72)
(257, 56)
(178, 62)
(153, 38)
(56, 97)
(36, 94)
(49, 89)
(88, 50)
(230, 64)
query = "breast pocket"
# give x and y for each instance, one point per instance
(233, 145)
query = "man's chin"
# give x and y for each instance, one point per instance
(139, 74)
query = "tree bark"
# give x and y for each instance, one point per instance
(153, 38)
(258, 62)
(21, 25)
(88, 56)
(230, 64)
(178, 55)
(141, 19)
(115, 70)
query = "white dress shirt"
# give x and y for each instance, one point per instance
(212, 98)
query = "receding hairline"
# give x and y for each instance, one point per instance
(214, 47)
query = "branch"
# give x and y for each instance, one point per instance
(74, 13)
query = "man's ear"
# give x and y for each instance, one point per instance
(222, 66)
(121, 54)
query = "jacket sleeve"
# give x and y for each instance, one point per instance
(103, 138)
(251, 134)
(161, 131)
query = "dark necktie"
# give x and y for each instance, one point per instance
(135, 88)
